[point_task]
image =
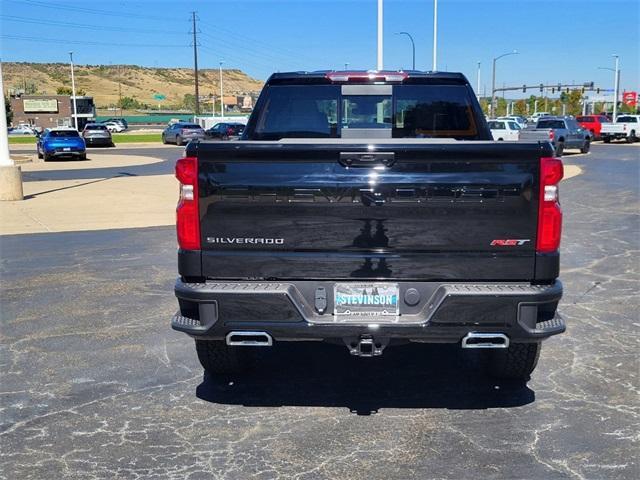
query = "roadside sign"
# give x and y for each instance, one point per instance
(630, 98)
(159, 97)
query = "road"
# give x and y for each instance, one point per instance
(96, 385)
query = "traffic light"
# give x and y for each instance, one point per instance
(541, 88)
(582, 89)
(524, 89)
(598, 90)
(553, 90)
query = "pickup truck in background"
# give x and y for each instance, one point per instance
(562, 132)
(368, 209)
(625, 127)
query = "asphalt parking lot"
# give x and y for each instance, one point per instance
(95, 384)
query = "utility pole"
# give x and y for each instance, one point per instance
(10, 174)
(120, 88)
(615, 88)
(73, 91)
(478, 84)
(221, 94)
(380, 23)
(346, 66)
(195, 61)
(435, 36)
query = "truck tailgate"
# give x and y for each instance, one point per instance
(435, 211)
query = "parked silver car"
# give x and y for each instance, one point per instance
(96, 134)
(181, 133)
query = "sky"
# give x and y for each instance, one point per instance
(558, 41)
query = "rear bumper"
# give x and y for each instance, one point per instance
(444, 313)
(98, 141)
(73, 153)
(616, 135)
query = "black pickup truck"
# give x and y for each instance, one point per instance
(369, 209)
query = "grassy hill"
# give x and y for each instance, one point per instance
(140, 83)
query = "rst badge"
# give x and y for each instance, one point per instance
(509, 242)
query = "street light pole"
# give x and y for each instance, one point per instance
(493, 80)
(380, 23)
(617, 82)
(434, 67)
(73, 92)
(413, 48)
(615, 88)
(221, 93)
(478, 84)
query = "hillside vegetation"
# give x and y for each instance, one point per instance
(139, 83)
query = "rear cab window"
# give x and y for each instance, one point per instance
(550, 124)
(627, 120)
(345, 110)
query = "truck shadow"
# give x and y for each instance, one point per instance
(322, 375)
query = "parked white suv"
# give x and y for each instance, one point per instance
(508, 130)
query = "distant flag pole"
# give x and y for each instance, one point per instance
(435, 36)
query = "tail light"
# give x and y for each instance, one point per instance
(552, 135)
(187, 215)
(229, 131)
(549, 211)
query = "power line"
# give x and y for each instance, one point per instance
(13, 18)
(87, 42)
(94, 11)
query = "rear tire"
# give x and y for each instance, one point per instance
(559, 149)
(218, 358)
(178, 140)
(516, 362)
(39, 154)
(606, 139)
(585, 147)
(631, 137)
(83, 157)
(46, 156)
(164, 139)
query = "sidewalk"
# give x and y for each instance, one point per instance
(100, 203)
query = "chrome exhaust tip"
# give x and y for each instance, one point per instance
(485, 340)
(249, 339)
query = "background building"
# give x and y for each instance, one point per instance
(47, 111)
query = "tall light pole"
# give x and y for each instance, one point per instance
(478, 83)
(493, 81)
(221, 93)
(380, 23)
(413, 48)
(615, 88)
(435, 36)
(73, 92)
(346, 66)
(616, 80)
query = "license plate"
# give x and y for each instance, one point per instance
(365, 301)
(66, 149)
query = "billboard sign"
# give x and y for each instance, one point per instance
(39, 105)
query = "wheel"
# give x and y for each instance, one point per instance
(606, 139)
(501, 139)
(164, 139)
(46, 156)
(178, 140)
(559, 149)
(586, 146)
(516, 362)
(631, 137)
(216, 357)
(39, 153)
(83, 156)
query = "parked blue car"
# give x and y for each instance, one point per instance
(61, 142)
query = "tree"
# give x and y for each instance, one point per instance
(130, 103)
(68, 91)
(8, 112)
